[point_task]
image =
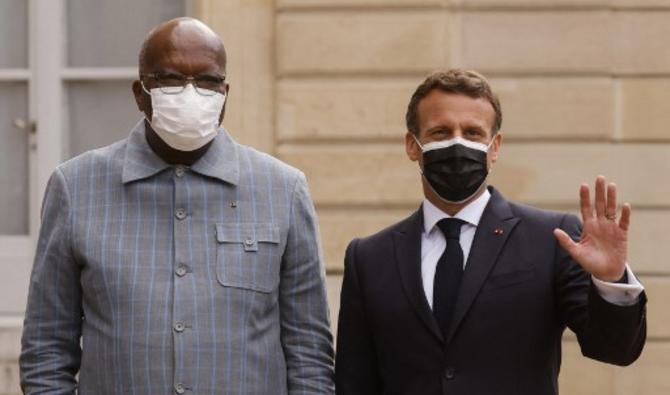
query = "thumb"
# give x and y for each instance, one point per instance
(566, 242)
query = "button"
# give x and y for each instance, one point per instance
(249, 242)
(179, 326)
(180, 213)
(181, 271)
(179, 388)
(449, 373)
(179, 171)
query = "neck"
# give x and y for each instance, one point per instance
(169, 154)
(449, 208)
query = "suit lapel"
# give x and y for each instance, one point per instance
(494, 228)
(407, 244)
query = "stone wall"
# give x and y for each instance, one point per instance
(585, 90)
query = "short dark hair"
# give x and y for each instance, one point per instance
(466, 82)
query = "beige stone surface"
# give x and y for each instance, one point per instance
(370, 109)
(356, 173)
(535, 3)
(649, 242)
(640, 45)
(247, 31)
(640, 3)
(537, 173)
(9, 378)
(333, 288)
(645, 111)
(647, 376)
(10, 342)
(289, 4)
(350, 109)
(17, 280)
(362, 42)
(557, 108)
(340, 226)
(282, 4)
(658, 313)
(552, 173)
(521, 41)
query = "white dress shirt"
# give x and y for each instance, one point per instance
(433, 245)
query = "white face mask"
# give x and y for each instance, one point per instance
(187, 120)
(452, 141)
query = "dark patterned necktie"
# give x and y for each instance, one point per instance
(448, 274)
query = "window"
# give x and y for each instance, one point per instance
(66, 68)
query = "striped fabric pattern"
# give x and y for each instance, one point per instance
(155, 279)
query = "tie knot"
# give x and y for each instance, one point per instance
(450, 227)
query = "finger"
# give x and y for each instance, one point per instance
(600, 197)
(566, 242)
(585, 202)
(610, 210)
(624, 222)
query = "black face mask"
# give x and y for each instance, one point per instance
(457, 171)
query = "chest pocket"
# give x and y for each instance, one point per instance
(248, 256)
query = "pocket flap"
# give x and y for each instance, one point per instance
(247, 233)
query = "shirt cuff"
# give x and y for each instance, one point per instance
(620, 294)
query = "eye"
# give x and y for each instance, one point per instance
(170, 79)
(474, 133)
(209, 81)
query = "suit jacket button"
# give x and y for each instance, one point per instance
(449, 373)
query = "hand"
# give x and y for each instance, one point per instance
(604, 243)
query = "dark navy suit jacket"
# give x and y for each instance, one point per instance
(519, 292)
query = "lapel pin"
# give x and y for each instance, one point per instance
(233, 204)
(498, 231)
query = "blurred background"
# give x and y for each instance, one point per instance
(324, 84)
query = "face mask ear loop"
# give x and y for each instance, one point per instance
(420, 146)
(144, 88)
(417, 141)
(490, 168)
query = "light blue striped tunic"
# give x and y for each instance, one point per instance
(154, 279)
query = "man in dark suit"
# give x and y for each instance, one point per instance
(470, 294)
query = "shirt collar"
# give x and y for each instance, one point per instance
(220, 160)
(471, 213)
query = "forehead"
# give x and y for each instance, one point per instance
(187, 50)
(441, 108)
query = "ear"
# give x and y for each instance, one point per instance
(142, 100)
(137, 92)
(223, 110)
(495, 147)
(411, 147)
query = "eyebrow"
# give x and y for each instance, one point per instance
(170, 70)
(439, 127)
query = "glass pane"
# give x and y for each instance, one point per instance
(110, 33)
(13, 159)
(100, 114)
(13, 34)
